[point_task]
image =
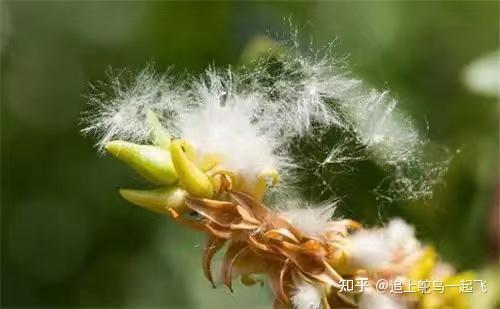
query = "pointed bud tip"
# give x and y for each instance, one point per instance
(151, 162)
(157, 200)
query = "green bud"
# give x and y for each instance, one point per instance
(160, 135)
(196, 182)
(151, 162)
(157, 200)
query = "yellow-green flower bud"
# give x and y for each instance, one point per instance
(151, 162)
(191, 177)
(157, 200)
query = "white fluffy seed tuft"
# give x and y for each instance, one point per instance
(225, 124)
(306, 296)
(119, 109)
(369, 249)
(311, 220)
(327, 96)
(379, 247)
(401, 237)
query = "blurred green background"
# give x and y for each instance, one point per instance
(69, 240)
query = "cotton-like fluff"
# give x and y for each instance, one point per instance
(370, 116)
(228, 132)
(224, 123)
(401, 237)
(379, 247)
(119, 109)
(318, 91)
(371, 299)
(369, 248)
(311, 220)
(306, 296)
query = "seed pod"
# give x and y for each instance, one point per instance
(196, 182)
(151, 162)
(157, 200)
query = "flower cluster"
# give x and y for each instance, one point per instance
(216, 145)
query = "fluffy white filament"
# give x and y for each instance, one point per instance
(312, 221)
(369, 249)
(120, 111)
(326, 96)
(401, 237)
(228, 131)
(306, 296)
(379, 247)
